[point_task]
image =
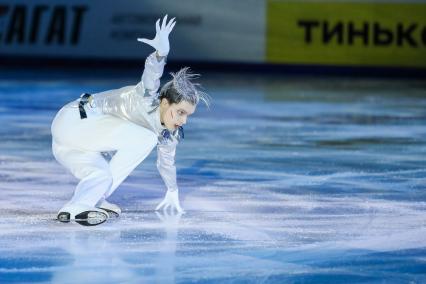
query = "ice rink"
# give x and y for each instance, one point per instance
(284, 180)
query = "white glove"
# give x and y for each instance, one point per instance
(171, 200)
(161, 39)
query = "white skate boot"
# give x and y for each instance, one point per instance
(82, 214)
(112, 209)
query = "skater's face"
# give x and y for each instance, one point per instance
(175, 115)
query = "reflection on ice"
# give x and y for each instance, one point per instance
(296, 182)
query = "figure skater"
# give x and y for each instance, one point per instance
(129, 121)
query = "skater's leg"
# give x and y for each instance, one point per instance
(96, 134)
(131, 153)
(77, 144)
(92, 170)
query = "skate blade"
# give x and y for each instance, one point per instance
(91, 218)
(87, 218)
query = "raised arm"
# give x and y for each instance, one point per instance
(119, 102)
(154, 64)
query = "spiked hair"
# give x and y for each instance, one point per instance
(180, 88)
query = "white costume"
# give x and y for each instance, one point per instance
(126, 121)
(123, 120)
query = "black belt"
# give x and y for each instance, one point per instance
(85, 98)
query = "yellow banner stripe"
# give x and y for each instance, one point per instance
(359, 34)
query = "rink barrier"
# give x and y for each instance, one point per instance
(304, 34)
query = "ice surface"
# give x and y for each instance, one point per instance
(284, 180)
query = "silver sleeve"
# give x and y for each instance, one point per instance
(152, 73)
(122, 102)
(166, 164)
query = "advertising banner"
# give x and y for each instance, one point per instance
(219, 31)
(342, 33)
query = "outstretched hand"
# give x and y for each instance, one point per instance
(161, 39)
(171, 200)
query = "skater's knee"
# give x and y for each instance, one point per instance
(55, 149)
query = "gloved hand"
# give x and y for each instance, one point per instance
(171, 200)
(161, 39)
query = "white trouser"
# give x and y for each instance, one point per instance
(77, 145)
